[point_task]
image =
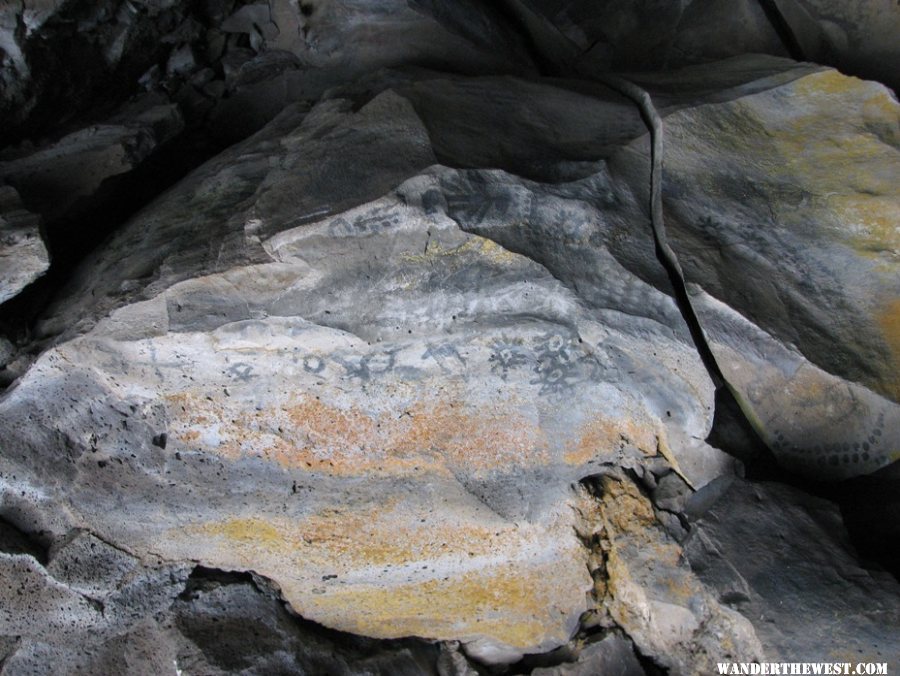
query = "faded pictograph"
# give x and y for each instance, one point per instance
(241, 371)
(364, 367)
(373, 223)
(446, 356)
(560, 364)
(508, 354)
(557, 362)
(472, 199)
(313, 364)
(867, 450)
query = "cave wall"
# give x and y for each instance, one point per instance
(536, 336)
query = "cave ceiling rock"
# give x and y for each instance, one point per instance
(52, 179)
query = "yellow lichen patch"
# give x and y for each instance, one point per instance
(624, 508)
(517, 604)
(381, 572)
(889, 321)
(496, 253)
(253, 531)
(348, 539)
(839, 147)
(827, 83)
(601, 436)
(837, 91)
(633, 532)
(473, 246)
(872, 223)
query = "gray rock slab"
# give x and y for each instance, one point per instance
(23, 255)
(791, 262)
(783, 559)
(54, 178)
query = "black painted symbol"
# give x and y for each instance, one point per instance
(507, 355)
(366, 366)
(560, 365)
(241, 371)
(313, 364)
(445, 356)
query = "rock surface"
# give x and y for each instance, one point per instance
(794, 273)
(405, 359)
(822, 605)
(53, 179)
(23, 256)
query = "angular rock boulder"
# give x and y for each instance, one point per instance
(23, 255)
(821, 605)
(789, 241)
(377, 409)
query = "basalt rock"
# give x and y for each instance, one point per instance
(53, 180)
(23, 255)
(822, 605)
(407, 358)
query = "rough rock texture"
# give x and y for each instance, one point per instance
(411, 358)
(96, 609)
(647, 588)
(23, 256)
(53, 179)
(792, 261)
(847, 612)
(385, 372)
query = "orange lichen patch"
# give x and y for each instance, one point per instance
(480, 440)
(601, 436)
(518, 604)
(349, 539)
(429, 435)
(889, 321)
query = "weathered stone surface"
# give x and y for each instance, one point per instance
(649, 590)
(53, 179)
(397, 406)
(802, 588)
(96, 609)
(329, 358)
(23, 256)
(789, 242)
(857, 37)
(351, 37)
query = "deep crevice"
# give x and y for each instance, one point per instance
(14, 540)
(72, 237)
(783, 29)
